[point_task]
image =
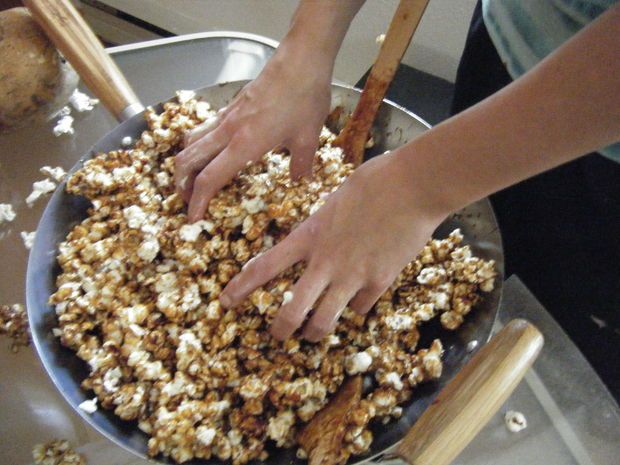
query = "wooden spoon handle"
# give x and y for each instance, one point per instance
(72, 36)
(475, 394)
(353, 137)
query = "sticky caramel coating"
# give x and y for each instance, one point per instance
(138, 299)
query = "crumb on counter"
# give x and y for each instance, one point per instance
(515, 421)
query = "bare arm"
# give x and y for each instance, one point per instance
(319, 26)
(565, 107)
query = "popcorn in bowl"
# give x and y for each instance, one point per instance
(138, 293)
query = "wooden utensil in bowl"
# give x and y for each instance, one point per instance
(352, 139)
(457, 414)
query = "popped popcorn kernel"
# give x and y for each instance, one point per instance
(7, 214)
(515, 421)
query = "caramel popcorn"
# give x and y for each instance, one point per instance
(56, 452)
(14, 323)
(138, 300)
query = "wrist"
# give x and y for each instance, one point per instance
(422, 186)
(299, 53)
(318, 28)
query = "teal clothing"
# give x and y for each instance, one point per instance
(526, 31)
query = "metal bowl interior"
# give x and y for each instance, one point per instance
(394, 127)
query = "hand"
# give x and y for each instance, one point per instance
(285, 106)
(354, 247)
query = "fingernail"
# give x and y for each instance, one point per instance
(225, 301)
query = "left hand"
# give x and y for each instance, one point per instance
(281, 107)
(354, 247)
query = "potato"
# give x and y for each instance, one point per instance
(35, 82)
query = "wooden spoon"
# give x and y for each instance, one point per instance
(456, 415)
(352, 139)
(473, 396)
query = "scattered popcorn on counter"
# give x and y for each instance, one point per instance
(64, 126)
(380, 39)
(57, 174)
(40, 189)
(515, 421)
(127, 141)
(14, 323)
(138, 299)
(56, 452)
(7, 214)
(82, 102)
(28, 238)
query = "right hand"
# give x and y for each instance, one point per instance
(349, 260)
(286, 105)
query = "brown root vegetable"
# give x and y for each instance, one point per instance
(35, 82)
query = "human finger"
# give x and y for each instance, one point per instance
(366, 298)
(201, 130)
(306, 292)
(261, 269)
(190, 161)
(219, 172)
(302, 155)
(324, 318)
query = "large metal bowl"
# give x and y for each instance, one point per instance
(393, 127)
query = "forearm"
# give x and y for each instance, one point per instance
(563, 108)
(318, 28)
